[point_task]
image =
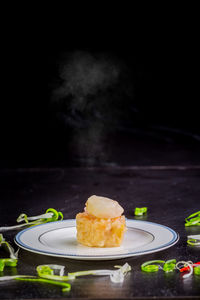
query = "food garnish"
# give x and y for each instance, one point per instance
(150, 266)
(8, 262)
(47, 274)
(193, 219)
(197, 270)
(188, 264)
(50, 215)
(140, 211)
(115, 275)
(171, 265)
(193, 240)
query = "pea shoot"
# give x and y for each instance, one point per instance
(140, 211)
(193, 219)
(51, 215)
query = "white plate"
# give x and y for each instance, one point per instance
(59, 239)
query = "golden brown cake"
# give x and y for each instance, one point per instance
(101, 224)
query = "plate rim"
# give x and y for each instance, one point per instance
(173, 241)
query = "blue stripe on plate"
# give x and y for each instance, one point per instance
(174, 239)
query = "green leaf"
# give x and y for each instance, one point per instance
(139, 211)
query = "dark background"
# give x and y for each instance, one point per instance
(132, 102)
(148, 115)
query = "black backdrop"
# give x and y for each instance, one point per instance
(154, 100)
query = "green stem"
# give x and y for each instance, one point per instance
(66, 287)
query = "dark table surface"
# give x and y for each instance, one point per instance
(171, 193)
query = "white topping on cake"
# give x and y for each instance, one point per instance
(102, 207)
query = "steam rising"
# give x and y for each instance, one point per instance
(89, 101)
(85, 75)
